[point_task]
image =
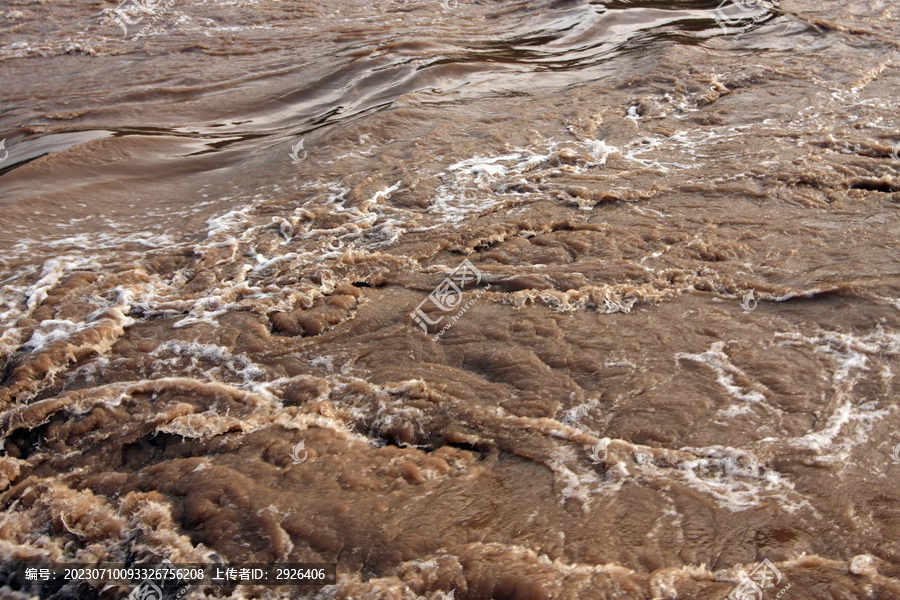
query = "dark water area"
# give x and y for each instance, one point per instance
(475, 299)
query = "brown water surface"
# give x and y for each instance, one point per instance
(675, 356)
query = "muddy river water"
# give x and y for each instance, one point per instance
(477, 299)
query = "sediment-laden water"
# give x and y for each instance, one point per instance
(497, 300)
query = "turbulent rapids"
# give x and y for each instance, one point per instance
(509, 300)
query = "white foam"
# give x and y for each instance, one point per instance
(833, 441)
(51, 330)
(852, 357)
(573, 416)
(53, 270)
(322, 361)
(226, 364)
(579, 485)
(465, 189)
(734, 479)
(716, 359)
